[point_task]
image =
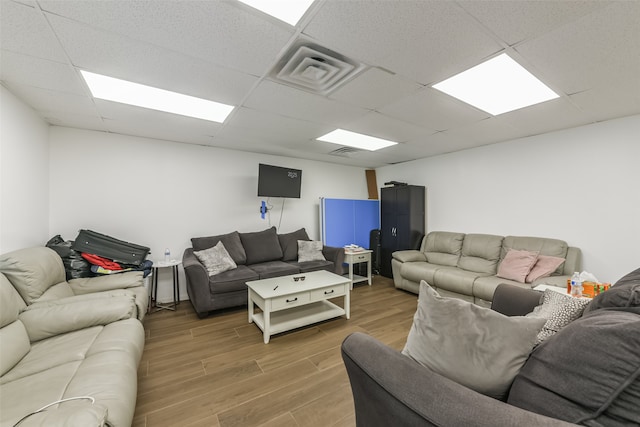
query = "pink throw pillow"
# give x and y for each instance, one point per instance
(545, 265)
(517, 264)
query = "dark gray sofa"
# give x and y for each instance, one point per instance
(588, 373)
(258, 255)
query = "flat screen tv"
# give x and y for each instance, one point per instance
(276, 181)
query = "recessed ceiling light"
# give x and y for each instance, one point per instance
(356, 140)
(289, 11)
(497, 86)
(126, 92)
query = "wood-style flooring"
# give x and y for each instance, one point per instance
(218, 372)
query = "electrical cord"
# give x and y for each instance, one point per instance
(281, 211)
(93, 400)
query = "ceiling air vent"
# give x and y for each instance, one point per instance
(315, 69)
(345, 151)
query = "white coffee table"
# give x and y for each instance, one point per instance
(288, 304)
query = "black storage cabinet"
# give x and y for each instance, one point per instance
(402, 213)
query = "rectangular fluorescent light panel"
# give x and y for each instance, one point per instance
(126, 92)
(356, 140)
(497, 86)
(289, 11)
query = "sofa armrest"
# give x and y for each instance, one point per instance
(512, 300)
(409, 256)
(49, 318)
(86, 285)
(197, 278)
(388, 386)
(336, 255)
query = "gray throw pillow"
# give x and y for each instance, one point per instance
(216, 259)
(231, 242)
(559, 310)
(289, 243)
(625, 293)
(310, 251)
(471, 345)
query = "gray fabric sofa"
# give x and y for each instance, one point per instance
(588, 373)
(258, 255)
(38, 275)
(77, 349)
(465, 265)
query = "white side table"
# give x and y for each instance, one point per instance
(173, 265)
(355, 258)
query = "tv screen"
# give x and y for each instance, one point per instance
(276, 181)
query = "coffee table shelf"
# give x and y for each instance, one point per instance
(296, 317)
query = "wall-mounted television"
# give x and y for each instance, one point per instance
(276, 181)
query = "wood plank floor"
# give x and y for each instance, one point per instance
(218, 372)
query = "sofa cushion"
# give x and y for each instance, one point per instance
(32, 271)
(231, 242)
(588, 373)
(471, 345)
(307, 266)
(443, 247)
(289, 244)
(544, 246)
(517, 264)
(480, 253)
(624, 293)
(216, 259)
(545, 265)
(274, 269)
(559, 310)
(261, 246)
(310, 251)
(232, 280)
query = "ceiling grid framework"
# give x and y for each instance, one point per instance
(588, 51)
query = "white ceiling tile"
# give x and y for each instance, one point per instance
(42, 73)
(24, 30)
(381, 126)
(287, 101)
(433, 110)
(122, 57)
(215, 31)
(515, 21)
(604, 103)
(74, 120)
(49, 101)
(484, 132)
(595, 51)
(389, 88)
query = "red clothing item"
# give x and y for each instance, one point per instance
(102, 262)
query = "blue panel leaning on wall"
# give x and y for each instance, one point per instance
(347, 221)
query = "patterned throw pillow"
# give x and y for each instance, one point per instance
(216, 259)
(310, 251)
(559, 310)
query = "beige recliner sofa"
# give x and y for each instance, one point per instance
(38, 275)
(77, 357)
(465, 266)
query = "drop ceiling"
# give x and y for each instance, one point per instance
(587, 51)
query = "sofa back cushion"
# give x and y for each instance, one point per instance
(32, 271)
(443, 247)
(13, 336)
(231, 242)
(480, 253)
(588, 373)
(544, 246)
(289, 244)
(261, 246)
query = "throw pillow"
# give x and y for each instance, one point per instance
(289, 244)
(261, 246)
(471, 345)
(624, 293)
(587, 374)
(216, 259)
(517, 264)
(544, 266)
(310, 251)
(559, 310)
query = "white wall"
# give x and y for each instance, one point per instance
(24, 173)
(531, 186)
(160, 194)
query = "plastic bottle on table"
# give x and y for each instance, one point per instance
(576, 285)
(167, 255)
